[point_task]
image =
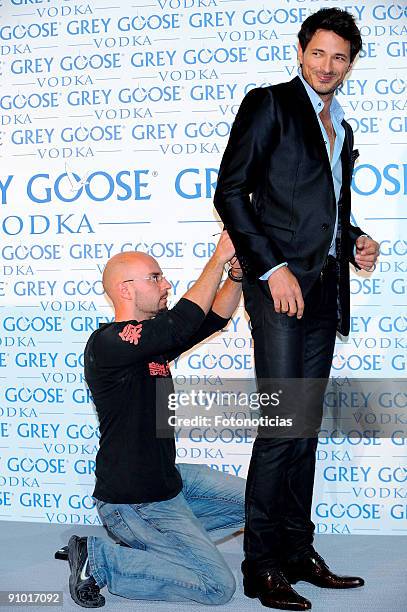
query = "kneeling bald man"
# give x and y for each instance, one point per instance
(165, 513)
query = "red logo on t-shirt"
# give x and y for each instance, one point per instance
(131, 333)
(158, 369)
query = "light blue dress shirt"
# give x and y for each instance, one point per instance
(337, 116)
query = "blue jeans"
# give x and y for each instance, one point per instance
(172, 557)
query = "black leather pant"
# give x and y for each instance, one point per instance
(281, 473)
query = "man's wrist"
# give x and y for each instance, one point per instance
(217, 261)
(235, 275)
(363, 236)
(267, 275)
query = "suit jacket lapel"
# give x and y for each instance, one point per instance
(346, 161)
(313, 130)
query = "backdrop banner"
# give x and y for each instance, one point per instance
(113, 120)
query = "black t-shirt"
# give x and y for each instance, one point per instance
(122, 363)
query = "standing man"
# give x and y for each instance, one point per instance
(284, 196)
(162, 511)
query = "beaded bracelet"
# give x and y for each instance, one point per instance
(236, 279)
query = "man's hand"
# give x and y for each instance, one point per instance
(286, 293)
(203, 291)
(367, 252)
(225, 250)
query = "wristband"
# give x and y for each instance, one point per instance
(236, 279)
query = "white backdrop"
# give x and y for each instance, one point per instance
(113, 119)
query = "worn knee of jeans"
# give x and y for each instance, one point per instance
(220, 588)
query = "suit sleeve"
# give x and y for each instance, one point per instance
(353, 231)
(242, 164)
(130, 342)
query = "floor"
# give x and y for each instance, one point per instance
(27, 563)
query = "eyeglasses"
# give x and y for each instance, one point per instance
(155, 277)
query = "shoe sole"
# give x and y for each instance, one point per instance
(296, 580)
(73, 564)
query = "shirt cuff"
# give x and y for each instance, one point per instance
(267, 275)
(354, 246)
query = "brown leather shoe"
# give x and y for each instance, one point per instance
(273, 590)
(314, 569)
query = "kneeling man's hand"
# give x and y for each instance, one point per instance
(286, 292)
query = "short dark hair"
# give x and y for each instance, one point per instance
(336, 20)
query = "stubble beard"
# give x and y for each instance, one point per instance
(327, 93)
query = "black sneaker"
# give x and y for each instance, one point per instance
(62, 553)
(82, 586)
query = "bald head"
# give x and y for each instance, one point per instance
(124, 266)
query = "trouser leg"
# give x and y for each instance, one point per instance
(171, 557)
(281, 473)
(319, 344)
(215, 498)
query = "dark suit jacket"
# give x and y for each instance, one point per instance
(275, 192)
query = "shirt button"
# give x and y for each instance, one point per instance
(325, 226)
